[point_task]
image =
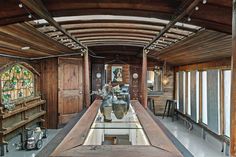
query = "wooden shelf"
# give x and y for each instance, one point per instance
(36, 104)
(11, 113)
(22, 123)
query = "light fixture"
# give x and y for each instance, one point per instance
(165, 79)
(196, 8)
(83, 50)
(20, 5)
(25, 48)
(204, 1)
(146, 51)
(29, 16)
(189, 19)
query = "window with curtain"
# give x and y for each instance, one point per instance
(177, 89)
(189, 94)
(227, 94)
(204, 97)
(197, 96)
(184, 94)
(213, 100)
(16, 82)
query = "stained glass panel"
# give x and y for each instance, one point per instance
(16, 82)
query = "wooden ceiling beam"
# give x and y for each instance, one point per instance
(114, 40)
(83, 26)
(122, 30)
(114, 44)
(114, 37)
(105, 21)
(113, 34)
(38, 8)
(173, 22)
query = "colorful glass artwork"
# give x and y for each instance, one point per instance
(16, 82)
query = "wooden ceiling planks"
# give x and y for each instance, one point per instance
(216, 15)
(209, 15)
(205, 46)
(17, 36)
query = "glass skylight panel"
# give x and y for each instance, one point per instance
(129, 127)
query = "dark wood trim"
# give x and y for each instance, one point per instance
(160, 144)
(224, 63)
(144, 95)
(233, 87)
(11, 64)
(86, 79)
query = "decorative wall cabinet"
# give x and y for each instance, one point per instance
(21, 106)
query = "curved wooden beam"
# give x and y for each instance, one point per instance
(114, 37)
(11, 64)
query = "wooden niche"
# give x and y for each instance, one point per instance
(21, 105)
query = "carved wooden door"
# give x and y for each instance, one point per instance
(70, 92)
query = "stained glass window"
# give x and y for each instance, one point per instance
(16, 82)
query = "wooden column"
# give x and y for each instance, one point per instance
(86, 79)
(233, 87)
(144, 81)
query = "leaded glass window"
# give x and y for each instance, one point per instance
(16, 82)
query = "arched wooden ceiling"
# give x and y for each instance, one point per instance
(107, 23)
(215, 15)
(110, 30)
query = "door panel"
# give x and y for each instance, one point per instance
(70, 93)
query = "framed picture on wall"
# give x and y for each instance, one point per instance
(116, 74)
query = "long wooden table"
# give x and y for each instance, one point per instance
(160, 144)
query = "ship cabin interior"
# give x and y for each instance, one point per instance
(151, 78)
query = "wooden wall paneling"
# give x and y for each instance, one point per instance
(70, 88)
(135, 83)
(97, 83)
(193, 95)
(49, 87)
(181, 91)
(233, 86)
(224, 63)
(212, 100)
